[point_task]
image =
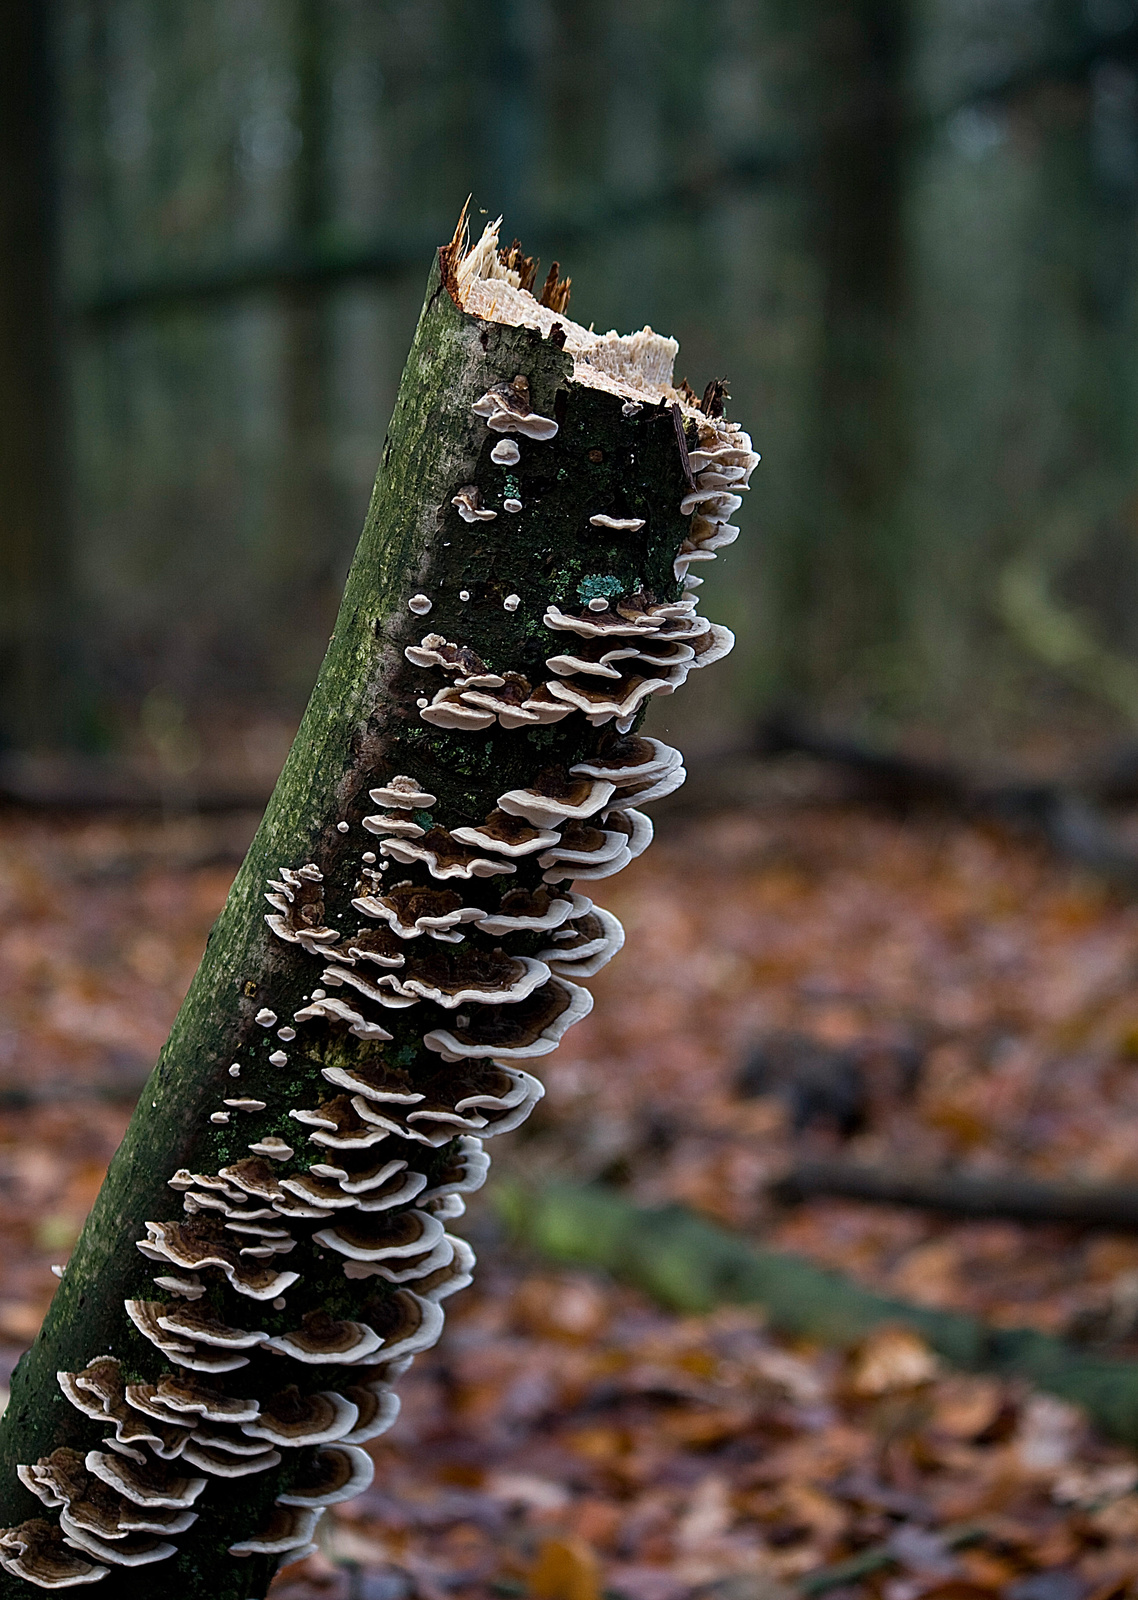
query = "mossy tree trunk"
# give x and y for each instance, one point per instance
(489, 581)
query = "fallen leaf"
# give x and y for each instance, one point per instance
(892, 1358)
(566, 1569)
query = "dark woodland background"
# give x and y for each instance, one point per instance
(904, 230)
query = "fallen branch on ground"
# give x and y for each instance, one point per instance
(692, 1265)
(1014, 1198)
(1069, 814)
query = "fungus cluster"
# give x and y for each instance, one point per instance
(293, 1281)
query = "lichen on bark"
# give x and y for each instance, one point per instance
(413, 1037)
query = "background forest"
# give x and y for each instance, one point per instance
(896, 1042)
(904, 229)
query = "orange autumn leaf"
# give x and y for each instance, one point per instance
(566, 1569)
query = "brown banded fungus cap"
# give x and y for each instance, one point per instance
(506, 409)
(133, 1549)
(508, 701)
(453, 978)
(273, 1147)
(555, 797)
(228, 1439)
(384, 989)
(57, 1478)
(190, 1286)
(339, 1125)
(433, 650)
(427, 1265)
(181, 1396)
(468, 501)
(322, 1340)
(448, 709)
(634, 825)
(35, 1551)
(200, 1242)
(98, 1392)
(294, 1420)
(585, 945)
(393, 1122)
(526, 910)
(154, 1483)
(464, 1172)
(386, 823)
(298, 911)
(365, 1173)
(336, 1473)
(377, 1405)
(408, 1323)
(587, 843)
(542, 707)
(287, 1528)
(712, 646)
(332, 1009)
(455, 1274)
(403, 793)
(179, 1348)
(666, 783)
(377, 1081)
(252, 1175)
(380, 946)
(203, 1323)
(445, 857)
(94, 1508)
(632, 617)
(383, 1236)
(492, 1114)
(448, 1209)
(617, 700)
(509, 835)
(532, 1028)
(224, 1463)
(322, 1192)
(586, 872)
(601, 519)
(411, 911)
(598, 658)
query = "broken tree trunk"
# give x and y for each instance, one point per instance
(270, 1247)
(692, 1265)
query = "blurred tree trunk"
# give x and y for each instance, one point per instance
(305, 514)
(848, 579)
(32, 438)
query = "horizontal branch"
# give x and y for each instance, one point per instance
(1067, 814)
(1018, 1199)
(316, 267)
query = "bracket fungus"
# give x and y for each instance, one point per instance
(506, 409)
(470, 507)
(37, 1552)
(288, 1247)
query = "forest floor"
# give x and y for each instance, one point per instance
(799, 981)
